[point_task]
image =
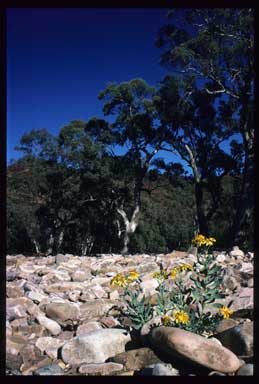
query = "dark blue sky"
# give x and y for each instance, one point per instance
(58, 60)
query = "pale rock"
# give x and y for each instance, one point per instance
(162, 369)
(49, 345)
(81, 275)
(147, 267)
(15, 312)
(36, 296)
(90, 326)
(114, 295)
(49, 324)
(242, 299)
(96, 309)
(12, 347)
(221, 258)
(136, 359)
(74, 295)
(195, 348)
(100, 369)
(236, 252)
(49, 370)
(64, 286)
(95, 347)
(149, 287)
(63, 312)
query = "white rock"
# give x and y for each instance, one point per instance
(95, 347)
(49, 324)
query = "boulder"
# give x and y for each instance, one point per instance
(195, 348)
(95, 347)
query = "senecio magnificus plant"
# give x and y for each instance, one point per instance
(179, 305)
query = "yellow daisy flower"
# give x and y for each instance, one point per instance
(133, 275)
(225, 312)
(181, 317)
(166, 320)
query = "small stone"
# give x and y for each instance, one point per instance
(62, 312)
(136, 359)
(81, 275)
(102, 369)
(50, 346)
(90, 326)
(246, 370)
(49, 370)
(164, 370)
(221, 258)
(49, 324)
(236, 252)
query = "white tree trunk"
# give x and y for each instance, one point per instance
(130, 226)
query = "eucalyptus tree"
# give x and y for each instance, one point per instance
(216, 48)
(194, 129)
(135, 128)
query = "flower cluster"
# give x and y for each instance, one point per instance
(200, 240)
(163, 275)
(122, 281)
(179, 317)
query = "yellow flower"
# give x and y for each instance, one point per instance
(200, 240)
(185, 267)
(162, 275)
(133, 275)
(118, 280)
(166, 320)
(225, 312)
(181, 317)
(173, 273)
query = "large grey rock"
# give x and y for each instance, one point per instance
(195, 348)
(238, 339)
(95, 347)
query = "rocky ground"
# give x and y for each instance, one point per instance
(63, 318)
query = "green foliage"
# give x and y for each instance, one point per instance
(137, 310)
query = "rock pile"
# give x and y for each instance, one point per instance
(62, 318)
